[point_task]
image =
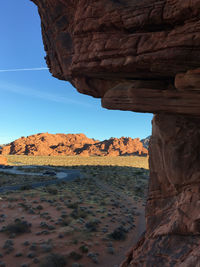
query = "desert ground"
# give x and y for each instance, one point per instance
(87, 222)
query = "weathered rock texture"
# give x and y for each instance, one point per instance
(45, 144)
(127, 52)
(145, 141)
(142, 56)
(173, 207)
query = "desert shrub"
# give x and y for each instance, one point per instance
(24, 206)
(11, 199)
(138, 172)
(17, 227)
(52, 190)
(65, 222)
(118, 234)
(53, 260)
(139, 191)
(26, 187)
(92, 225)
(102, 203)
(72, 205)
(75, 256)
(84, 249)
(75, 241)
(39, 207)
(78, 213)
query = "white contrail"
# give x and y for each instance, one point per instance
(28, 69)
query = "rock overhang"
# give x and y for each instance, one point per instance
(115, 48)
(142, 56)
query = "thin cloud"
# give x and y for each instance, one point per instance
(27, 69)
(25, 91)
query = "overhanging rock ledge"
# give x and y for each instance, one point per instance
(142, 56)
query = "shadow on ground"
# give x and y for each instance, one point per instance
(91, 219)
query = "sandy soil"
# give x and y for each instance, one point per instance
(75, 220)
(96, 242)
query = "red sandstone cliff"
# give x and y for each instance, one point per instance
(73, 144)
(142, 55)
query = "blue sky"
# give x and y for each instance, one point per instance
(34, 102)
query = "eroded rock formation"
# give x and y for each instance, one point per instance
(127, 52)
(173, 206)
(142, 56)
(145, 142)
(3, 160)
(45, 144)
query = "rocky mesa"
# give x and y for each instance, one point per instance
(45, 144)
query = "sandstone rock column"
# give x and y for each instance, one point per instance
(173, 208)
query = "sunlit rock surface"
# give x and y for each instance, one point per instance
(45, 144)
(3, 160)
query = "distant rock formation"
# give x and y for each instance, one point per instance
(45, 144)
(3, 160)
(145, 141)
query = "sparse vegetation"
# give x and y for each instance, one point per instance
(75, 220)
(78, 213)
(84, 249)
(131, 161)
(52, 190)
(92, 225)
(26, 187)
(75, 256)
(53, 260)
(17, 227)
(118, 234)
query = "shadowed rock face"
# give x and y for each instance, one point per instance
(172, 211)
(142, 56)
(132, 48)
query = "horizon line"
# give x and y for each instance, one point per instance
(58, 133)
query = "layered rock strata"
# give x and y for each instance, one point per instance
(134, 49)
(142, 56)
